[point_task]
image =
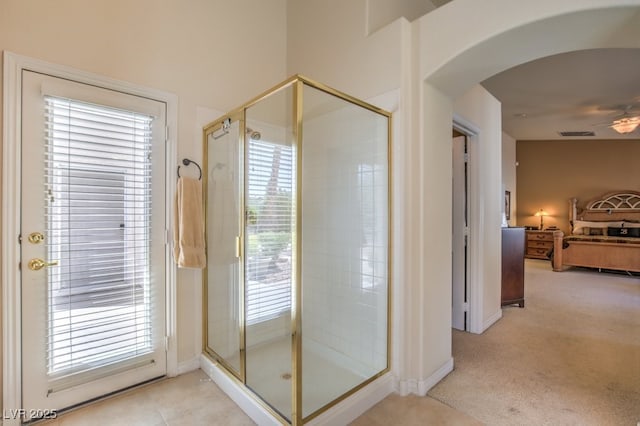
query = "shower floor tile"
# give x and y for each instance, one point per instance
(269, 375)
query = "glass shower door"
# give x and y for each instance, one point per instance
(224, 285)
(269, 260)
(345, 247)
(297, 281)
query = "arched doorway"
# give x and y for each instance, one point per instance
(451, 61)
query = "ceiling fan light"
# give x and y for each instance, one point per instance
(626, 125)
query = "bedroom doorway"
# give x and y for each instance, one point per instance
(460, 233)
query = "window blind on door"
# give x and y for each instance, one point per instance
(269, 230)
(98, 215)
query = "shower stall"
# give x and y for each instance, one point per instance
(297, 285)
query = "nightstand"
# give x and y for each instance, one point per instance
(539, 244)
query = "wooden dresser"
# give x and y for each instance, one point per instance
(513, 245)
(539, 243)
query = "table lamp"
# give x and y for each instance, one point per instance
(542, 214)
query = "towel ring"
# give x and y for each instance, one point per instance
(186, 162)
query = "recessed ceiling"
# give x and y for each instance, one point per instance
(579, 91)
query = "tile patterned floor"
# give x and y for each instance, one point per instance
(189, 399)
(193, 399)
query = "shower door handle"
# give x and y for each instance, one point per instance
(238, 247)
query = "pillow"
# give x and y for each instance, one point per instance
(587, 230)
(579, 225)
(623, 232)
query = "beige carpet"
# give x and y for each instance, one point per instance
(570, 357)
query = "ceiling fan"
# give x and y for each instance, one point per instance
(626, 121)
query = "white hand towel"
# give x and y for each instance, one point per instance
(188, 225)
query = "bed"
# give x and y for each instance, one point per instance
(604, 235)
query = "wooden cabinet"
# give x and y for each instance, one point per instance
(513, 248)
(539, 244)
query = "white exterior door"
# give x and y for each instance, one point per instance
(92, 241)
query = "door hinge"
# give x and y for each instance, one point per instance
(19, 238)
(466, 157)
(166, 343)
(465, 306)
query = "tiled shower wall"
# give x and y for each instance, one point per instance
(345, 236)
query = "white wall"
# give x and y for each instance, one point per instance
(509, 172)
(495, 32)
(383, 12)
(480, 108)
(205, 52)
(327, 41)
(450, 62)
(434, 221)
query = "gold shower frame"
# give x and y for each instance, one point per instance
(239, 114)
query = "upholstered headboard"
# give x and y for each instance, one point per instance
(613, 206)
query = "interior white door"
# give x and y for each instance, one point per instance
(459, 243)
(92, 254)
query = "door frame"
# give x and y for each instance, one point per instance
(474, 246)
(458, 287)
(14, 65)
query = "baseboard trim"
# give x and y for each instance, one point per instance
(491, 320)
(190, 365)
(421, 387)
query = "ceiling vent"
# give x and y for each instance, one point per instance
(580, 133)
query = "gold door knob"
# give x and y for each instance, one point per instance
(37, 264)
(36, 238)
